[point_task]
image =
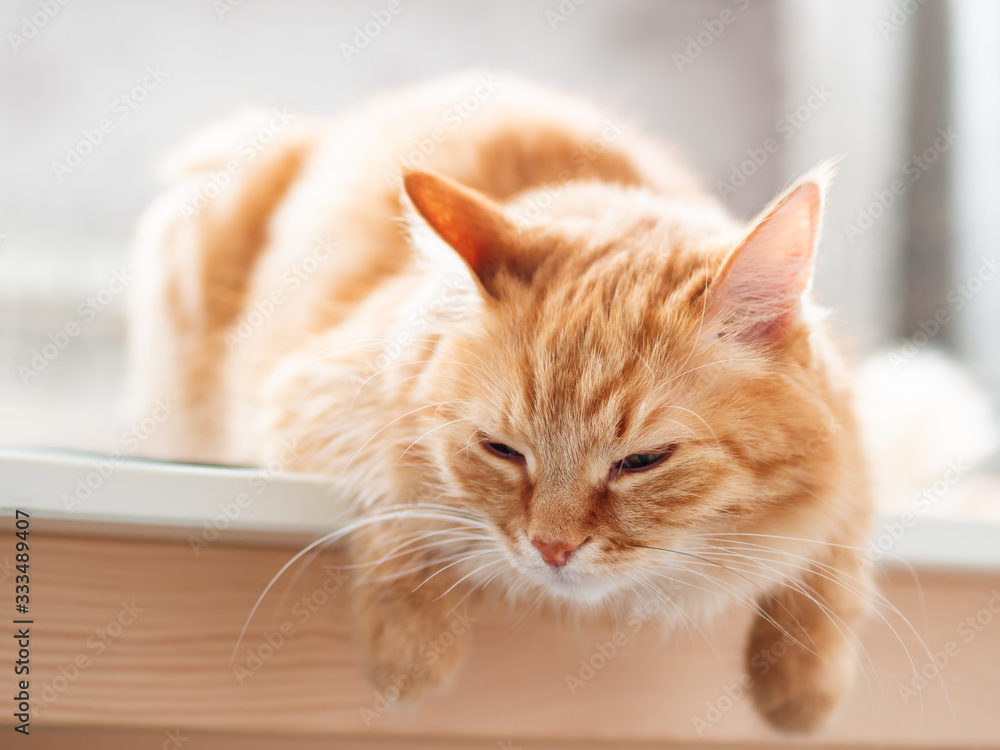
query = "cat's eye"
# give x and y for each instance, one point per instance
(643, 461)
(503, 450)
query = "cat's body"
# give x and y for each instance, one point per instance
(584, 363)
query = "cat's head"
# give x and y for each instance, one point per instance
(636, 374)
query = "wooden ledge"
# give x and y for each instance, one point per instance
(132, 640)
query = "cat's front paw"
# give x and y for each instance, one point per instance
(412, 647)
(795, 688)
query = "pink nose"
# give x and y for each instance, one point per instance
(556, 554)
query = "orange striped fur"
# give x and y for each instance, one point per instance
(548, 365)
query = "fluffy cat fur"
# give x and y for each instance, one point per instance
(539, 355)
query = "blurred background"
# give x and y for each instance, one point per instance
(752, 93)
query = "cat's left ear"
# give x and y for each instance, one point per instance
(756, 294)
(474, 226)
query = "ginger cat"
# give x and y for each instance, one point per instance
(547, 364)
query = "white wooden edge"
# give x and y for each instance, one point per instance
(157, 500)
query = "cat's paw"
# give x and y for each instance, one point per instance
(797, 689)
(411, 646)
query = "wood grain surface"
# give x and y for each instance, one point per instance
(131, 646)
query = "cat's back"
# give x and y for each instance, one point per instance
(297, 229)
(492, 132)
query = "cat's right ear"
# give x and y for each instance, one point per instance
(473, 225)
(756, 295)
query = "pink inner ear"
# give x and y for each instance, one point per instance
(764, 277)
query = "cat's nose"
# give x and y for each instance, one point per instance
(556, 553)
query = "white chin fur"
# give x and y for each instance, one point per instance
(577, 589)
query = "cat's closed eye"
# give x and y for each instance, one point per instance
(642, 461)
(502, 450)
